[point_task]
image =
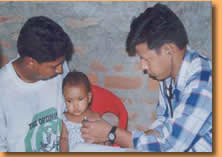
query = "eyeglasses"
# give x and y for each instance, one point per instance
(169, 94)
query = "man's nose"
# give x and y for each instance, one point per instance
(143, 64)
(59, 69)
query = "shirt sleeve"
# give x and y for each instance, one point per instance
(3, 128)
(193, 109)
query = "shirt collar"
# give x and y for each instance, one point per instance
(182, 75)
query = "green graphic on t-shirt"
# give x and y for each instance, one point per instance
(44, 132)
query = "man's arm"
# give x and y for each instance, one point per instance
(193, 109)
(96, 131)
(124, 138)
(3, 141)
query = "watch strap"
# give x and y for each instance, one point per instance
(112, 131)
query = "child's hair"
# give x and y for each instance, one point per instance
(76, 78)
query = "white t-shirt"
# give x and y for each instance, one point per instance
(29, 112)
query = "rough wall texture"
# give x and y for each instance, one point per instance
(98, 31)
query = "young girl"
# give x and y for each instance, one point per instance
(77, 95)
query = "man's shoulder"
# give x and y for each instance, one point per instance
(196, 63)
(194, 67)
(5, 72)
(196, 58)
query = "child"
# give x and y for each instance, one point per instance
(77, 95)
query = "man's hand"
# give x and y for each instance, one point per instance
(149, 132)
(95, 130)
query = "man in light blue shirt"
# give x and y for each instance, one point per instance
(184, 110)
(184, 122)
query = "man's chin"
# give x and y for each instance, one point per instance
(158, 79)
(150, 75)
(153, 77)
(48, 78)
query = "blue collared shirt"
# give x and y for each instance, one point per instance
(190, 126)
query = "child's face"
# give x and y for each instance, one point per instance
(76, 98)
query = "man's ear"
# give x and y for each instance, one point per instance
(168, 49)
(89, 97)
(30, 62)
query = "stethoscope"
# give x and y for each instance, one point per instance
(168, 91)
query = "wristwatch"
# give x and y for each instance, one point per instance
(112, 135)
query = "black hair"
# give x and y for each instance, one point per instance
(156, 26)
(44, 40)
(76, 78)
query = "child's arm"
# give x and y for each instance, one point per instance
(64, 146)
